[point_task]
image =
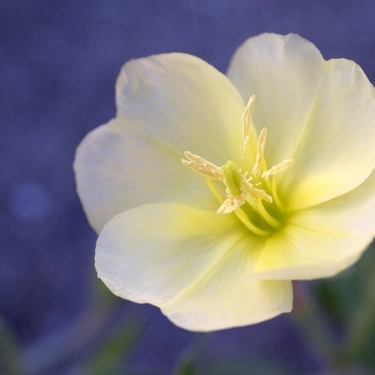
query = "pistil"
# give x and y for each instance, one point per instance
(240, 189)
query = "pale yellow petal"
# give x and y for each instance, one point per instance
(118, 170)
(350, 214)
(230, 297)
(301, 253)
(195, 265)
(167, 104)
(337, 152)
(153, 253)
(320, 113)
(284, 73)
(183, 103)
(323, 240)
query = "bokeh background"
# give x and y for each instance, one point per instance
(58, 64)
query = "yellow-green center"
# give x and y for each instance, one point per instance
(254, 200)
(258, 208)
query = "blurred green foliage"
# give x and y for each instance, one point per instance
(10, 360)
(348, 301)
(247, 366)
(336, 316)
(186, 363)
(112, 353)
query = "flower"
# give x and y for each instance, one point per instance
(278, 189)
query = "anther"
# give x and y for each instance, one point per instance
(202, 166)
(260, 153)
(277, 168)
(246, 117)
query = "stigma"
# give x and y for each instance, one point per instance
(238, 187)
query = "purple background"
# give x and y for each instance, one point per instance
(58, 64)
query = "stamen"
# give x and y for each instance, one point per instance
(255, 192)
(260, 153)
(244, 189)
(202, 166)
(251, 202)
(266, 216)
(231, 204)
(246, 123)
(277, 168)
(245, 220)
(214, 191)
(275, 196)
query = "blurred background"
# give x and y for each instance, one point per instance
(58, 64)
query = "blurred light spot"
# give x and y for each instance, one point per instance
(30, 200)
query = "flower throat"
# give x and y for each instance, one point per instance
(253, 199)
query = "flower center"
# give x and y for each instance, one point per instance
(253, 199)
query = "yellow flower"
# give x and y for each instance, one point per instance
(276, 181)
